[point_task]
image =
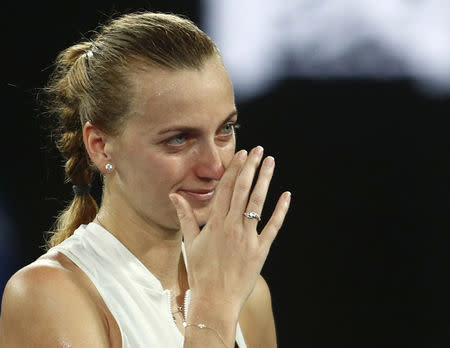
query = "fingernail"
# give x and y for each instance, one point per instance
(269, 162)
(287, 196)
(242, 154)
(173, 197)
(258, 150)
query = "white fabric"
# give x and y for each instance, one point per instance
(134, 296)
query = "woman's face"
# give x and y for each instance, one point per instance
(180, 138)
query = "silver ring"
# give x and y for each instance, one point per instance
(252, 215)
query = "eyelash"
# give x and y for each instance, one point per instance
(235, 126)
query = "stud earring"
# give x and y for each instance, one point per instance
(108, 167)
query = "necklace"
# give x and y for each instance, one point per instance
(179, 309)
(182, 285)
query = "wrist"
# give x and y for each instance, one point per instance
(218, 314)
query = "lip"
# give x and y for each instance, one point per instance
(199, 195)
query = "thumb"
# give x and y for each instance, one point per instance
(188, 222)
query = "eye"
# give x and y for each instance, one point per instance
(177, 140)
(229, 128)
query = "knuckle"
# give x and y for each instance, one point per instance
(233, 229)
(242, 186)
(257, 199)
(276, 223)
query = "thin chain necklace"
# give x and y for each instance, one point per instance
(179, 308)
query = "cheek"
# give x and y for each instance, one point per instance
(228, 156)
(228, 153)
(165, 169)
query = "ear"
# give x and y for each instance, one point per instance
(95, 142)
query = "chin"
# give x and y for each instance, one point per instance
(202, 215)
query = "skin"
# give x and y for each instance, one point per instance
(175, 168)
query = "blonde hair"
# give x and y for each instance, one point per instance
(91, 83)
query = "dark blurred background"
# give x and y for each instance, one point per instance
(361, 260)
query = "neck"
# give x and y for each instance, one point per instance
(157, 248)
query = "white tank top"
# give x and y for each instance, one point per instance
(133, 295)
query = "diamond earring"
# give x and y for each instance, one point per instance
(108, 167)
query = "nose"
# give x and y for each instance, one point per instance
(209, 164)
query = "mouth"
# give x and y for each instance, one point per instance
(198, 195)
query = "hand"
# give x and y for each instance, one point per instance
(227, 255)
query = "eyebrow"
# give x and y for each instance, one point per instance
(185, 129)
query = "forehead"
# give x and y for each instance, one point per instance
(162, 97)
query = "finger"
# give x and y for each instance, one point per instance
(244, 182)
(270, 231)
(224, 190)
(259, 193)
(188, 222)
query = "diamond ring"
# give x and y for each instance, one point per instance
(252, 215)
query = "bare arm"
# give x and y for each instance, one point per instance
(256, 319)
(43, 307)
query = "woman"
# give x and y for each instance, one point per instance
(149, 104)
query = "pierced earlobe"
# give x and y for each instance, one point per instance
(108, 167)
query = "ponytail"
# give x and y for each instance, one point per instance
(67, 89)
(81, 210)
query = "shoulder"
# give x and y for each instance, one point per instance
(50, 277)
(256, 317)
(47, 303)
(41, 281)
(41, 273)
